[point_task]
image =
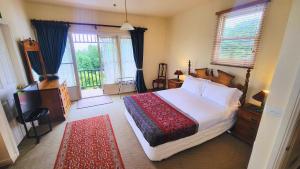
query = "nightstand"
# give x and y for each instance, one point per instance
(248, 118)
(174, 83)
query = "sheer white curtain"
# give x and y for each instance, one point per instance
(110, 59)
(116, 54)
(127, 60)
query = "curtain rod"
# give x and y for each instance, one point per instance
(91, 24)
(88, 24)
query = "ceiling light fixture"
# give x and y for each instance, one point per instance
(126, 26)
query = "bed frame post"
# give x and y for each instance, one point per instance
(189, 70)
(245, 88)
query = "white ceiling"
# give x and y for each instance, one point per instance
(163, 8)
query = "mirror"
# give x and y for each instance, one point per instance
(33, 60)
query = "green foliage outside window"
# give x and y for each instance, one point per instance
(89, 68)
(239, 48)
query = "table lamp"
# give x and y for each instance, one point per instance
(178, 73)
(261, 97)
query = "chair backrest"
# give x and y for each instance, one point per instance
(162, 71)
(27, 101)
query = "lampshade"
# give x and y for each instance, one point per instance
(261, 96)
(126, 26)
(178, 72)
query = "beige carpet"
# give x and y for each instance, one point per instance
(223, 152)
(93, 101)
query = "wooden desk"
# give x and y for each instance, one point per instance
(56, 98)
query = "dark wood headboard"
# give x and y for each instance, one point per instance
(209, 73)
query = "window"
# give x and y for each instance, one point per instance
(89, 68)
(117, 56)
(238, 35)
(127, 59)
(110, 58)
(66, 69)
(107, 50)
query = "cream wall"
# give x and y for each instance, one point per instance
(192, 35)
(155, 36)
(14, 17)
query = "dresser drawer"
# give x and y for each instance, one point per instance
(247, 124)
(249, 116)
(65, 98)
(245, 131)
(172, 85)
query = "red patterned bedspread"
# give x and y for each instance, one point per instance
(159, 121)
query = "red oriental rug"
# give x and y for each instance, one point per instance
(89, 144)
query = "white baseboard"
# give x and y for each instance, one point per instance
(111, 89)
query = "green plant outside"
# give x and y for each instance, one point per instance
(89, 68)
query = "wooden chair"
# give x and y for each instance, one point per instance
(161, 82)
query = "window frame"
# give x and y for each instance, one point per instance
(222, 16)
(72, 62)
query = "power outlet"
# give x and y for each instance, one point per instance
(274, 111)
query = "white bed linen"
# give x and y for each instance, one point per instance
(206, 112)
(213, 120)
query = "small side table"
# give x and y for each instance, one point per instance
(248, 119)
(174, 83)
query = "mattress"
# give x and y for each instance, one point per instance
(213, 120)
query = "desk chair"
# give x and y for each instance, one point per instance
(28, 104)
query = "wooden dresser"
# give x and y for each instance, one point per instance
(56, 98)
(248, 119)
(174, 83)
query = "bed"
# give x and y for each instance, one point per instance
(169, 121)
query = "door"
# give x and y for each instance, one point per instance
(8, 83)
(103, 57)
(88, 64)
(292, 159)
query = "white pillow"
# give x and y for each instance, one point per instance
(235, 100)
(223, 95)
(194, 85)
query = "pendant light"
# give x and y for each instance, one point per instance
(126, 26)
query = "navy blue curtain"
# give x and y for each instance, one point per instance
(35, 62)
(52, 38)
(137, 38)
